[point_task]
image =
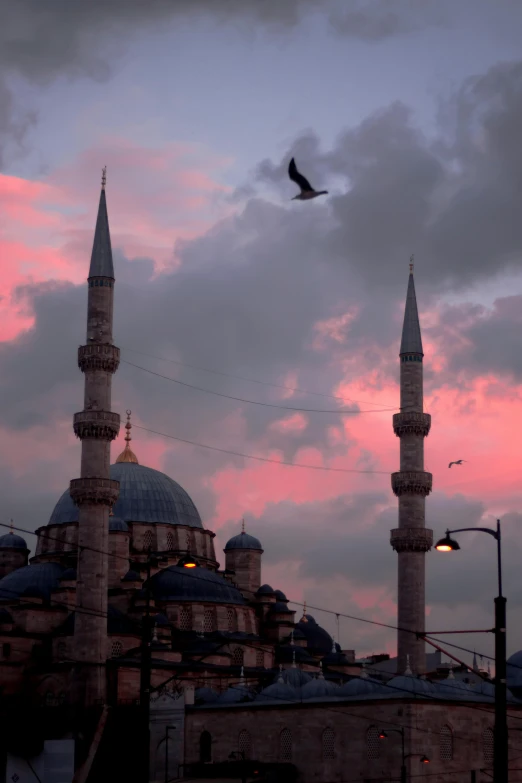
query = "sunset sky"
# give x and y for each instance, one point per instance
(412, 119)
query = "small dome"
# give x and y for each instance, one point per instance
(361, 686)
(286, 653)
(235, 694)
(243, 541)
(205, 695)
(43, 577)
(451, 688)
(265, 590)
(404, 684)
(298, 634)
(194, 584)
(319, 687)
(294, 677)
(280, 595)
(514, 670)
(318, 640)
(69, 575)
(12, 541)
(115, 523)
(161, 620)
(278, 691)
(131, 576)
(280, 608)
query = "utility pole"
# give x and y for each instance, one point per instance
(145, 676)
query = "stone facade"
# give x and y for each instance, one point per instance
(336, 741)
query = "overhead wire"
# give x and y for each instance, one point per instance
(251, 380)
(342, 411)
(257, 457)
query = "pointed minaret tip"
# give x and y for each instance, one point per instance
(101, 257)
(411, 341)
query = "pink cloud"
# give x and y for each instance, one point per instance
(156, 197)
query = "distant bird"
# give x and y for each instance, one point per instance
(457, 462)
(307, 191)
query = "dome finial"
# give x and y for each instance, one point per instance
(408, 670)
(243, 525)
(127, 455)
(11, 526)
(304, 618)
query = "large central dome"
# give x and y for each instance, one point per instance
(146, 495)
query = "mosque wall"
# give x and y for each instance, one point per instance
(333, 741)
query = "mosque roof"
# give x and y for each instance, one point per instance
(318, 640)
(146, 495)
(243, 541)
(38, 578)
(117, 524)
(265, 590)
(278, 691)
(194, 584)
(12, 541)
(101, 257)
(411, 341)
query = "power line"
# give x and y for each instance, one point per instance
(342, 411)
(251, 380)
(259, 459)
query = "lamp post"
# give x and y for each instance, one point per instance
(423, 760)
(241, 754)
(167, 729)
(500, 756)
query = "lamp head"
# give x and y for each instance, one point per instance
(424, 760)
(447, 544)
(187, 562)
(382, 734)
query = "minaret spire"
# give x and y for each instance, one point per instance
(95, 493)
(411, 540)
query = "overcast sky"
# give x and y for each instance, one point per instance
(412, 119)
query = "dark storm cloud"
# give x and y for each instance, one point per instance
(41, 40)
(451, 199)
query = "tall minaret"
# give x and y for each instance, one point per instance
(411, 540)
(94, 493)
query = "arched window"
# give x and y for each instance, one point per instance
(245, 744)
(170, 542)
(209, 621)
(238, 657)
(260, 658)
(147, 540)
(231, 620)
(328, 744)
(488, 745)
(446, 743)
(285, 745)
(116, 649)
(185, 619)
(205, 747)
(373, 748)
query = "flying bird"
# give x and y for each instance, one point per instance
(457, 462)
(307, 191)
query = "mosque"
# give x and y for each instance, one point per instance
(126, 652)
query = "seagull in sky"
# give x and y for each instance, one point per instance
(457, 462)
(307, 191)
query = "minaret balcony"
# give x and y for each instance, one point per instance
(94, 491)
(411, 482)
(411, 539)
(411, 423)
(98, 357)
(104, 425)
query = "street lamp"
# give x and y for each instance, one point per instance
(500, 756)
(187, 561)
(383, 734)
(167, 729)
